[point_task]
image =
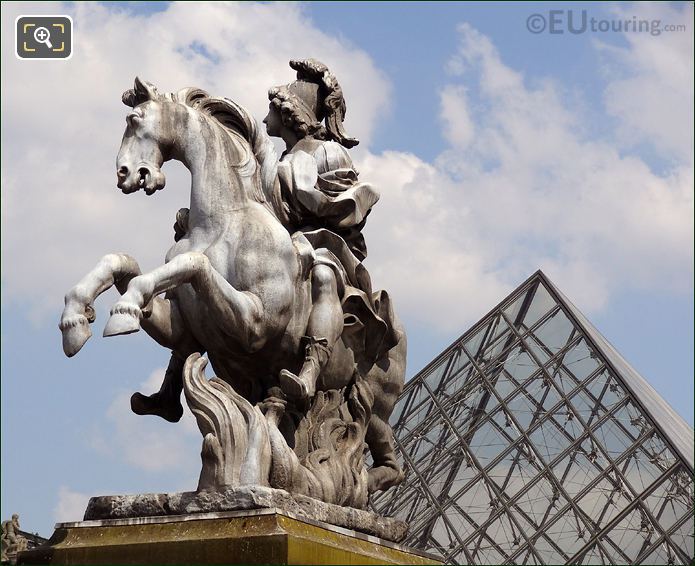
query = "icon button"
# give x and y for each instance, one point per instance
(44, 37)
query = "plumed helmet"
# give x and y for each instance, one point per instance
(314, 97)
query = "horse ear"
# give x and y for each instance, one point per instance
(145, 91)
(142, 92)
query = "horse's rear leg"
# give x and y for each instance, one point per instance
(166, 402)
(167, 327)
(386, 470)
(112, 269)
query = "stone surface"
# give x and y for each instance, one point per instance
(244, 497)
(266, 278)
(263, 536)
(11, 540)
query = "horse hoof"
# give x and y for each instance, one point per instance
(76, 332)
(121, 323)
(152, 405)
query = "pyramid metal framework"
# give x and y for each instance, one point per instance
(530, 440)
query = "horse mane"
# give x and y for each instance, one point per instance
(236, 118)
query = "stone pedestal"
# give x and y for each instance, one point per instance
(258, 536)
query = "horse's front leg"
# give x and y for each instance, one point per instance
(240, 312)
(112, 269)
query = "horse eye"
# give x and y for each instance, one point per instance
(133, 119)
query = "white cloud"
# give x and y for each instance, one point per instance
(529, 190)
(520, 187)
(650, 90)
(458, 125)
(71, 505)
(149, 443)
(62, 124)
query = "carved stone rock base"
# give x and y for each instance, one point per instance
(245, 497)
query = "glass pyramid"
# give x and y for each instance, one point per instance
(530, 440)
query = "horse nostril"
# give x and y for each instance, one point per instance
(122, 172)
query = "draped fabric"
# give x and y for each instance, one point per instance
(328, 207)
(322, 190)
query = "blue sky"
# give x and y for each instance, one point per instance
(497, 151)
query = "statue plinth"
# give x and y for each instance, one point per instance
(258, 536)
(240, 498)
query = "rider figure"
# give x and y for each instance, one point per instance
(321, 192)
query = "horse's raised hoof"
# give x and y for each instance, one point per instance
(121, 322)
(153, 405)
(293, 386)
(76, 332)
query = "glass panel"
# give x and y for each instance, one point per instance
(540, 389)
(670, 500)
(596, 555)
(493, 358)
(586, 406)
(417, 407)
(512, 311)
(552, 437)
(569, 532)
(515, 471)
(461, 521)
(504, 384)
(613, 439)
(487, 554)
(441, 539)
(604, 500)
(662, 554)
(580, 360)
(502, 531)
(631, 536)
(438, 475)
(434, 377)
(562, 379)
(682, 538)
(541, 304)
(464, 472)
(476, 503)
(605, 387)
(547, 551)
(659, 454)
(541, 502)
(461, 374)
(524, 408)
(488, 442)
(465, 396)
(486, 336)
(639, 471)
(631, 420)
(554, 334)
(408, 503)
(579, 468)
(519, 365)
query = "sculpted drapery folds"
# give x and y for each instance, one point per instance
(266, 279)
(325, 200)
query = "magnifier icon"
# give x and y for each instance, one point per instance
(42, 35)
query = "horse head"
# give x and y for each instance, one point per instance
(148, 135)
